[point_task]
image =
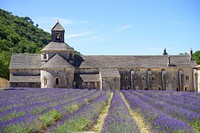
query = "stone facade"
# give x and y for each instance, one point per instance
(58, 67)
(198, 78)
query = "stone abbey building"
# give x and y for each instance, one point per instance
(58, 67)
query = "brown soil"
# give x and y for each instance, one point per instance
(4, 83)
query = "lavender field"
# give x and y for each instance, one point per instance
(53, 110)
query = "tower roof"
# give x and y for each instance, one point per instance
(58, 27)
(55, 46)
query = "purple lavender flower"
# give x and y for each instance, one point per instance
(159, 121)
(119, 118)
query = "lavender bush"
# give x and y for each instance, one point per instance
(84, 117)
(190, 117)
(119, 119)
(159, 121)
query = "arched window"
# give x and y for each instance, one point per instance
(143, 77)
(128, 88)
(44, 56)
(70, 56)
(185, 88)
(45, 81)
(57, 81)
(159, 88)
(153, 77)
(58, 36)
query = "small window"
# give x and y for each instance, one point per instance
(58, 36)
(57, 81)
(45, 81)
(185, 88)
(187, 77)
(70, 56)
(159, 88)
(44, 56)
(126, 77)
(153, 77)
(177, 89)
(128, 88)
(143, 77)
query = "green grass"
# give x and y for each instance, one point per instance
(21, 128)
(11, 116)
(50, 117)
(98, 125)
(195, 125)
(72, 108)
(38, 110)
(73, 125)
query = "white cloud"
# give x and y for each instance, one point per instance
(123, 28)
(91, 39)
(79, 34)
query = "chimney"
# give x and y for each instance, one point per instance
(191, 54)
(169, 62)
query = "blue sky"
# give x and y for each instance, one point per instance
(120, 27)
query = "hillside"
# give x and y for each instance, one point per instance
(18, 35)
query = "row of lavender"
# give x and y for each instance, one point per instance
(36, 110)
(167, 111)
(119, 119)
(71, 110)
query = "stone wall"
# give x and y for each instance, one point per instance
(57, 78)
(26, 84)
(157, 79)
(198, 78)
(25, 72)
(111, 83)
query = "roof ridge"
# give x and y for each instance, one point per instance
(129, 55)
(57, 27)
(57, 46)
(57, 61)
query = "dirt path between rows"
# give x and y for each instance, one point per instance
(138, 118)
(99, 123)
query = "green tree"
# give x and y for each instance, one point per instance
(196, 57)
(4, 64)
(18, 35)
(183, 53)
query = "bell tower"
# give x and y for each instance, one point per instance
(57, 33)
